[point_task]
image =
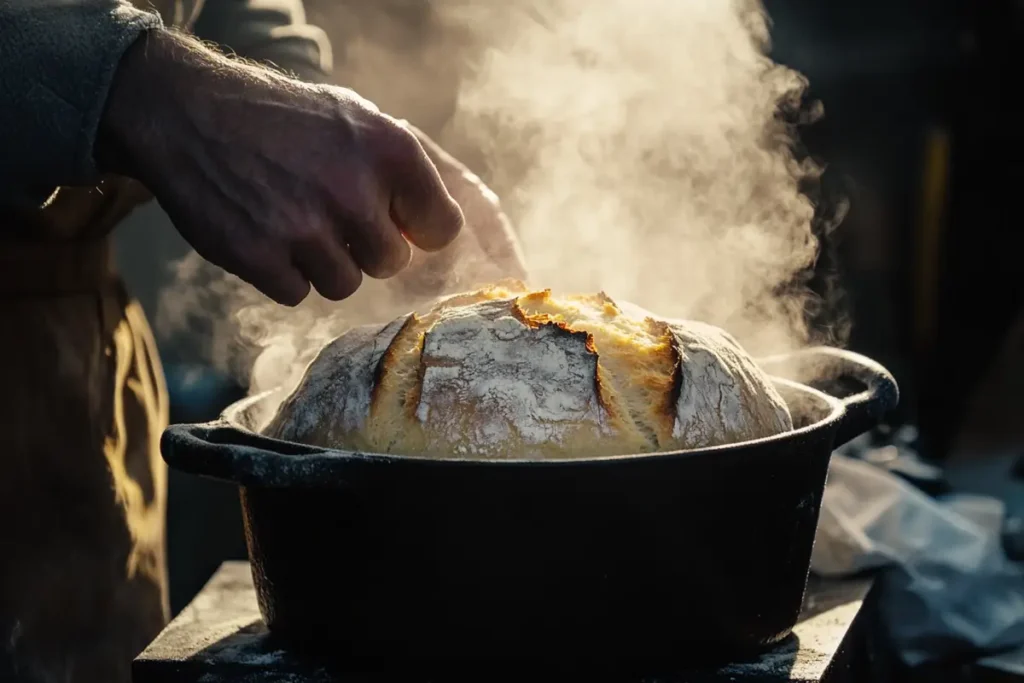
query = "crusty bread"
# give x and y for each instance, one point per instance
(509, 373)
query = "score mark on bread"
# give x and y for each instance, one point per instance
(504, 372)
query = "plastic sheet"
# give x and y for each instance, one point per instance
(946, 591)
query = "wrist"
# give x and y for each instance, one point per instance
(165, 93)
(141, 100)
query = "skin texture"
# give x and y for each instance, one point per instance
(282, 183)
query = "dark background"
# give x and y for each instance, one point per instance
(921, 133)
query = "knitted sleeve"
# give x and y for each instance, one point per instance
(59, 60)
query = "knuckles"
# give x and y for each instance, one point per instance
(397, 145)
(307, 231)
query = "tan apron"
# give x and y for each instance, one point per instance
(83, 585)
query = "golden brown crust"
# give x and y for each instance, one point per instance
(388, 359)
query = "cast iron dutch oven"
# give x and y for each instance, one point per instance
(680, 555)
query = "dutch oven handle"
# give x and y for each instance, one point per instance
(221, 451)
(867, 390)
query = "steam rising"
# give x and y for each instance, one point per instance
(639, 149)
(655, 164)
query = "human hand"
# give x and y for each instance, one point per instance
(486, 250)
(281, 183)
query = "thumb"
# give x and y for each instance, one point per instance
(420, 204)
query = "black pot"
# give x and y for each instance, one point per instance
(683, 555)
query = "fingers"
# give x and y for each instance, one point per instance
(333, 246)
(227, 243)
(489, 226)
(271, 272)
(358, 220)
(328, 266)
(501, 246)
(380, 251)
(420, 205)
(285, 285)
(325, 225)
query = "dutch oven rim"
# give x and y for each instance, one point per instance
(228, 450)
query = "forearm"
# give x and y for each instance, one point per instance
(268, 31)
(58, 61)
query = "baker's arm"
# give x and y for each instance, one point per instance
(269, 31)
(57, 62)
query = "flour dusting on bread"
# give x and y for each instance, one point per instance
(505, 372)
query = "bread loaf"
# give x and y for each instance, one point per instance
(509, 373)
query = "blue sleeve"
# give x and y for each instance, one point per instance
(57, 63)
(273, 31)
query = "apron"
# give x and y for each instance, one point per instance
(83, 586)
